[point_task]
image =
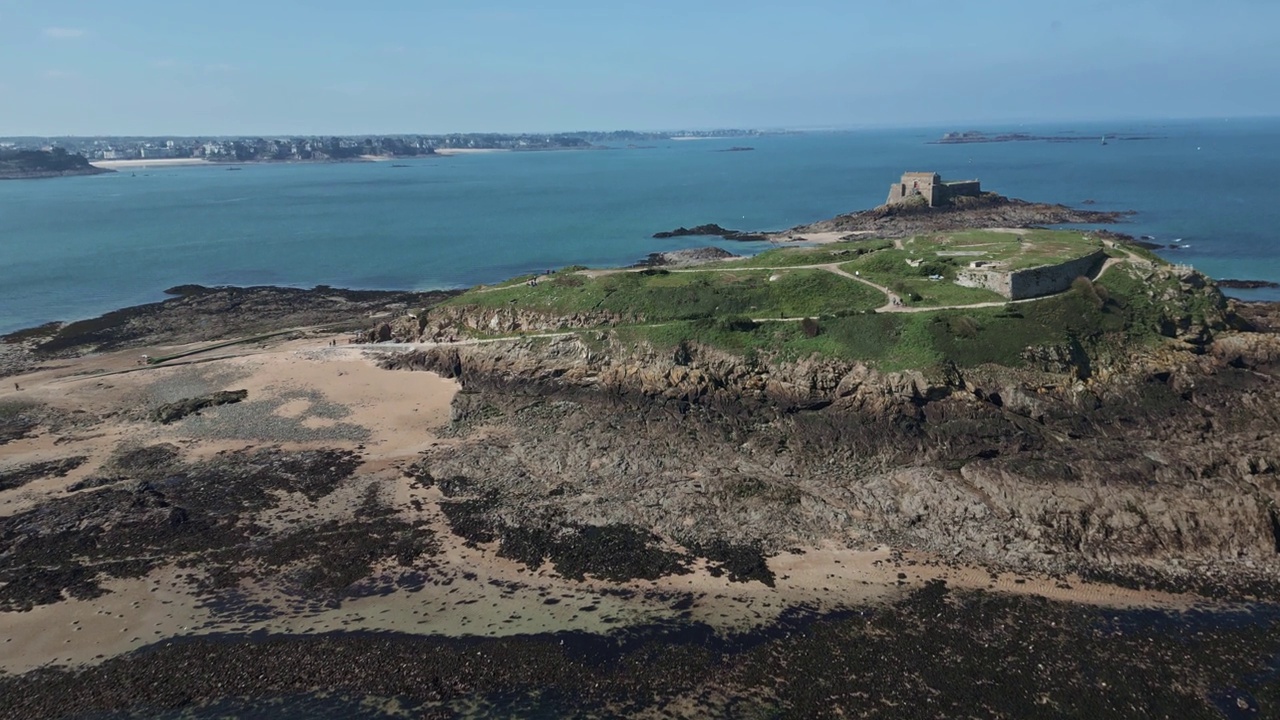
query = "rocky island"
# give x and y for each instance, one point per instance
(939, 463)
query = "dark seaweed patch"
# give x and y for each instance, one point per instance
(936, 653)
(23, 474)
(611, 552)
(743, 563)
(158, 510)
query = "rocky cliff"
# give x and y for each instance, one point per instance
(1150, 462)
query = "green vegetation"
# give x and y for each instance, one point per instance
(794, 312)
(1015, 250)
(798, 256)
(659, 295)
(1152, 305)
(1091, 314)
(913, 283)
(21, 163)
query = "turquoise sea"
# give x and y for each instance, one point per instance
(75, 247)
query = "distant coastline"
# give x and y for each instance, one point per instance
(975, 136)
(157, 162)
(189, 162)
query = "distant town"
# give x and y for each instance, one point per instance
(296, 148)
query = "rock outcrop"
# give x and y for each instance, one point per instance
(175, 411)
(985, 211)
(1164, 460)
(711, 229)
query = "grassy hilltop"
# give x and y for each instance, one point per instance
(894, 305)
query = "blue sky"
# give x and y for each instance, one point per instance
(385, 66)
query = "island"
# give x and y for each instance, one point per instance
(921, 202)
(35, 164)
(977, 136)
(936, 458)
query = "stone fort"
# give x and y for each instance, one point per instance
(1031, 282)
(930, 186)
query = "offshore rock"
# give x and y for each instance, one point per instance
(172, 412)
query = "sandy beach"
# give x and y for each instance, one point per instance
(469, 151)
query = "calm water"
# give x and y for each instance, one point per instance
(75, 247)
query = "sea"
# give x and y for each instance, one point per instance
(73, 248)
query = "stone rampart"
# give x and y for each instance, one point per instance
(1050, 279)
(996, 281)
(1032, 282)
(960, 188)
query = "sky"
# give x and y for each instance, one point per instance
(175, 67)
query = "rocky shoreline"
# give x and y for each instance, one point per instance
(40, 164)
(587, 526)
(712, 230)
(1248, 284)
(987, 210)
(196, 313)
(967, 462)
(1014, 657)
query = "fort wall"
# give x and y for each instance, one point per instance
(931, 187)
(1050, 279)
(962, 188)
(1032, 282)
(993, 280)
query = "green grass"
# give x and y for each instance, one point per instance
(741, 310)
(661, 296)
(1024, 249)
(795, 256)
(913, 285)
(899, 341)
(937, 293)
(1143, 300)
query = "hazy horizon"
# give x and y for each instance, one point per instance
(995, 125)
(147, 68)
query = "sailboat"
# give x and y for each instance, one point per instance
(1104, 139)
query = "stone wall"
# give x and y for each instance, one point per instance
(1050, 279)
(963, 188)
(996, 281)
(1032, 282)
